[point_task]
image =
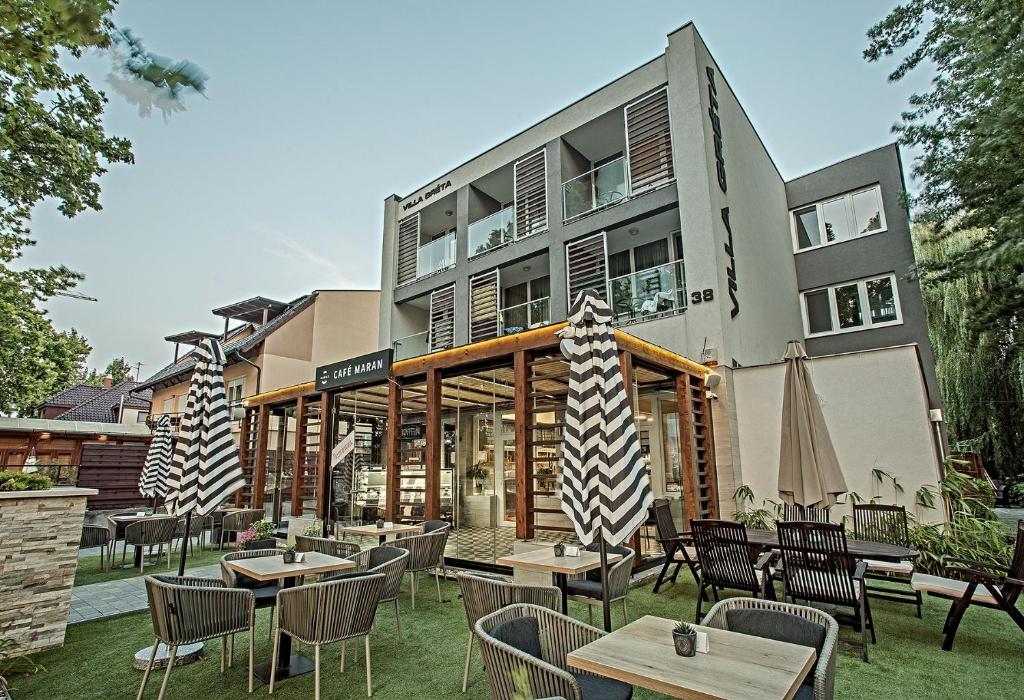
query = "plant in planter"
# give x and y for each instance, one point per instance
(260, 535)
(684, 636)
(23, 481)
(288, 555)
(314, 530)
(477, 473)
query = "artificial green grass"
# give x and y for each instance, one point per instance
(88, 570)
(987, 660)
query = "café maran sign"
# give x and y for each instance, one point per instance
(435, 190)
(365, 368)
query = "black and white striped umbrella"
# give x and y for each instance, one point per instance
(205, 469)
(153, 479)
(605, 489)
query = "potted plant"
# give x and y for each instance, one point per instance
(260, 535)
(313, 530)
(477, 473)
(288, 555)
(684, 636)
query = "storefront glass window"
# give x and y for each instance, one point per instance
(359, 479)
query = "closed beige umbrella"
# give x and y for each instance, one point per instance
(809, 473)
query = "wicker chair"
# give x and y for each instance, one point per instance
(677, 546)
(97, 536)
(117, 530)
(797, 513)
(824, 674)
(186, 610)
(326, 612)
(265, 592)
(542, 657)
(882, 523)
(818, 568)
(152, 532)
(197, 531)
(239, 521)
(726, 562)
(483, 595)
(390, 561)
(587, 587)
(324, 545)
(426, 552)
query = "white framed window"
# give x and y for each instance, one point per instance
(838, 219)
(851, 306)
(235, 390)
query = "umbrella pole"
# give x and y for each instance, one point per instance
(605, 605)
(184, 543)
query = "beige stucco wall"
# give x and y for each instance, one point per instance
(179, 392)
(877, 412)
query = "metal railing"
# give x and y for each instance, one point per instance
(411, 346)
(435, 256)
(656, 291)
(600, 187)
(521, 317)
(152, 421)
(492, 231)
(60, 474)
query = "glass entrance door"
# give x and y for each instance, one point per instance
(277, 485)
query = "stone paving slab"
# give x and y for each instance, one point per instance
(97, 601)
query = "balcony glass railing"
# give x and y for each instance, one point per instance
(411, 346)
(497, 229)
(598, 188)
(523, 316)
(649, 293)
(437, 255)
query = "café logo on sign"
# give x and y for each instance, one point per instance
(357, 370)
(435, 190)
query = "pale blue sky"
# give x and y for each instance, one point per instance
(316, 111)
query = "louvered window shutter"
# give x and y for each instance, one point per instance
(442, 318)
(649, 143)
(531, 199)
(586, 264)
(408, 243)
(483, 306)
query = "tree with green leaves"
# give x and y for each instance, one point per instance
(117, 369)
(969, 127)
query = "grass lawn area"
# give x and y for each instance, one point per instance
(95, 662)
(88, 570)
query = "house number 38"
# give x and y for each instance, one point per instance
(702, 295)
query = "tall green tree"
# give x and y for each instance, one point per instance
(969, 127)
(117, 369)
(980, 372)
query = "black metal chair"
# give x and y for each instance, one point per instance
(818, 568)
(977, 583)
(726, 562)
(796, 513)
(883, 523)
(678, 547)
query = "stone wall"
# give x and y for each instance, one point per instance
(39, 536)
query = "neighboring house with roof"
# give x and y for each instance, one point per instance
(107, 403)
(277, 344)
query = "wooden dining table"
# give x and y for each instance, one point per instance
(383, 533)
(273, 568)
(859, 549)
(544, 559)
(737, 666)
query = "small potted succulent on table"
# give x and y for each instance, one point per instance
(288, 554)
(260, 535)
(684, 636)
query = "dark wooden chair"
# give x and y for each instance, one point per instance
(977, 583)
(795, 513)
(883, 523)
(725, 561)
(678, 547)
(818, 568)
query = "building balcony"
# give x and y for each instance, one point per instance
(492, 231)
(521, 317)
(435, 256)
(648, 294)
(411, 346)
(598, 188)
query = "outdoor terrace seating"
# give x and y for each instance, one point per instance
(726, 562)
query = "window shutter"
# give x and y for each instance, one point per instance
(586, 264)
(483, 306)
(442, 318)
(408, 243)
(531, 200)
(648, 141)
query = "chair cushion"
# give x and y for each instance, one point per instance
(805, 691)
(890, 567)
(950, 588)
(600, 688)
(780, 626)
(583, 587)
(266, 596)
(522, 633)
(243, 581)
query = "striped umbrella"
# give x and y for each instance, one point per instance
(153, 479)
(604, 486)
(205, 469)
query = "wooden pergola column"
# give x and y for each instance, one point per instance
(432, 501)
(244, 436)
(626, 367)
(323, 455)
(393, 440)
(299, 456)
(688, 448)
(524, 451)
(259, 466)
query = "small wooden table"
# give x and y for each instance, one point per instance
(737, 665)
(560, 568)
(273, 569)
(384, 533)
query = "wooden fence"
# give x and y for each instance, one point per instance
(113, 469)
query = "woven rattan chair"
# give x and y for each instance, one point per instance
(978, 583)
(483, 595)
(390, 561)
(426, 552)
(239, 521)
(882, 523)
(507, 648)
(198, 528)
(726, 561)
(265, 592)
(117, 533)
(152, 532)
(796, 513)
(324, 545)
(96, 536)
(773, 618)
(818, 568)
(326, 612)
(678, 547)
(586, 588)
(186, 610)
